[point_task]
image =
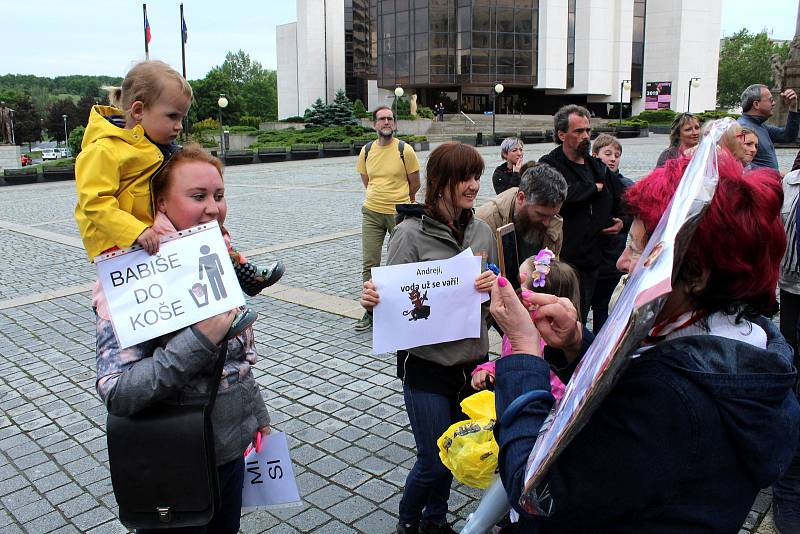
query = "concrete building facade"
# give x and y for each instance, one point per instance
(546, 53)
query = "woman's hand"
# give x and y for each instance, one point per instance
(264, 431)
(518, 165)
(485, 281)
(515, 321)
(556, 319)
(215, 328)
(479, 379)
(369, 296)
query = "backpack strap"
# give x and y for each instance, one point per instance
(401, 146)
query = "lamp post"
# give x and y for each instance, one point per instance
(496, 90)
(398, 92)
(625, 85)
(65, 129)
(693, 82)
(222, 102)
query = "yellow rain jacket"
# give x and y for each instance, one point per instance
(112, 175)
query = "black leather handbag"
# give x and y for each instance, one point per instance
(163, 466)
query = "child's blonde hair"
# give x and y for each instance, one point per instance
(146, 82)
(561, 281)
(603, 140)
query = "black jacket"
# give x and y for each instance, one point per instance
(503, 178)
(586, 211)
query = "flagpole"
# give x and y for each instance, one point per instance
(146, 48)
(183, 43)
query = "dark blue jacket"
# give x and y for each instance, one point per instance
(682, 443)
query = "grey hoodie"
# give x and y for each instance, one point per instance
(419, 237)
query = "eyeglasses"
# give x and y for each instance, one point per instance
(635, 252)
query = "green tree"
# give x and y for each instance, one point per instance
(75, 140)
(744, 59)
(359, 110)
(85, 105)
(260, 96)
(319, 114)
(27, 121)
(54, 121)
(342, 110)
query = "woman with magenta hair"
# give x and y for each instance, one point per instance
(703, 417)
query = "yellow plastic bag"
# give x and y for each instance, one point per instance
(468, 448)
(480, 405)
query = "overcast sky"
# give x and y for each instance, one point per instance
(56, 37)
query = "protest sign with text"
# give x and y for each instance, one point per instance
(268, 475)
(190, 279)
(426, 302)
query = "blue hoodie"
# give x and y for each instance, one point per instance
(682, 443)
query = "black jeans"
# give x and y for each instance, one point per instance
(226, 519)
(588, 282)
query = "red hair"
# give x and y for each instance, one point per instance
(740, 240)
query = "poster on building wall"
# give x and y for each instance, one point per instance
(658, 95)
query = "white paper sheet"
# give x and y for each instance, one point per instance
(426, 302)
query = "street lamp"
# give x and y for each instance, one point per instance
(693, 82)
(496, 90)
(222, 103)
(625, 85)
(65, 129)
(398, 92)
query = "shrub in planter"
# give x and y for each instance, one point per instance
(424, 112)
(293, 119)
(205, 125)
(714, 115)
(661, 116)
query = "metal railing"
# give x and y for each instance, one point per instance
(466, 118)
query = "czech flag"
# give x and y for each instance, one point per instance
(146, 28)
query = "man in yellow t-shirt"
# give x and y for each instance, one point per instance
(390, 178)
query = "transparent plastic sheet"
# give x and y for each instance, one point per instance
(629, 322)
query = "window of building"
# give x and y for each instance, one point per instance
(637, 51)
(571, 43)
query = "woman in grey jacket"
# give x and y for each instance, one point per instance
(176, 367)
(437, 377)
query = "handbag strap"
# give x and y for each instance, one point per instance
(216, 376)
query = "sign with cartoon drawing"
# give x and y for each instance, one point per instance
(190, 279)
(426, 302)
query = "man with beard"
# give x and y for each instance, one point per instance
(592, 207)
(390, 173)
(533, 208)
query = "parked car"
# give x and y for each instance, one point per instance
(25, 160)
(51, 153)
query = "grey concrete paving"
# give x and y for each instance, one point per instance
(341, 406)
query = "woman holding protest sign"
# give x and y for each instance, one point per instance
(176, 368)
(704, 415)
(437, 377)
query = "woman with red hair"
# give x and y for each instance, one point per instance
(704, 416)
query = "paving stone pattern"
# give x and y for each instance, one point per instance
(341, 406)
